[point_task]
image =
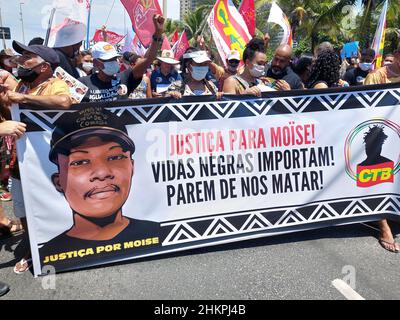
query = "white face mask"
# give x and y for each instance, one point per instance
(199, 73)
(87, 66)
(365, 66)
(111, 67)
(257, 71)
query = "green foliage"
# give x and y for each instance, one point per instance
(312, 21)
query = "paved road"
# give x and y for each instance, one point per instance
(294, 266)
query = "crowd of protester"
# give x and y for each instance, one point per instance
(26, 76)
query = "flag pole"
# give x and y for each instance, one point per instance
(87, 45)
(46, 41)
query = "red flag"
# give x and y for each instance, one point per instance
(175, 37)
(112, 37)
(165, 44)
(248, 12)
(181, 46)
(141, 13)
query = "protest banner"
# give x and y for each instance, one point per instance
(118, 181)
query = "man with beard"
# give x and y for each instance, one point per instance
(281, 71)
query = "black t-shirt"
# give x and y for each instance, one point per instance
(66, 64)
(289, 76)
(139, 237)
(99, 90)
(355, 76)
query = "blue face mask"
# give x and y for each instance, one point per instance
(198, 92)
(111, 67)
(199, 73)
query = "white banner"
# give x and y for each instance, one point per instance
(204, 172)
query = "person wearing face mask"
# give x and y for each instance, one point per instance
(37, 87)
(195, 69)
(281, 71)
(67, 44)
(388, 59)
(162, 78)
(356, 76)
(85, 63)
(231, 69)
(387, 74)
(249, 82)
(107, 82)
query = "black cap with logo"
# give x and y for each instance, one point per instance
(73, 128)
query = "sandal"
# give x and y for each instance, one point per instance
(389, 246)
(25, 264)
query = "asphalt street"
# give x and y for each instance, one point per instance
(294, 266)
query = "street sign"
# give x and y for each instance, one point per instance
(5, 33)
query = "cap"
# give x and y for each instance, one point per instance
(47, 54)
(72, 128)
(71, 33)
(167, 56)
(197, 56)
(234, 55)
(104, 51)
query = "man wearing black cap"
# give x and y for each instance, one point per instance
(93, 153)
(37, 86)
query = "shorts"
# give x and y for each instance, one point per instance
(18, 198)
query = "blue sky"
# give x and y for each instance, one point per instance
(34, 16)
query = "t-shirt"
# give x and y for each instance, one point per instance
(137, 230)
(51, 87)
(355, 76)
(289, 76)
(160, 82)
(66, 64)
(119, 88)
(381, 76)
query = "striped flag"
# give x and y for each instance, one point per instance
(378, 43)
(228, 28)
(276, 15)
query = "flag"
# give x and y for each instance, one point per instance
(138, 47)
(67, 13)
(378, 43)
(165, 45)
(133, 44)
(112, 37)
(248, 12)
(175, 37)
(181, 46)
(277, 16)
(141, 13)
(228, 28)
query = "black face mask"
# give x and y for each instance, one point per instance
(27, 75)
